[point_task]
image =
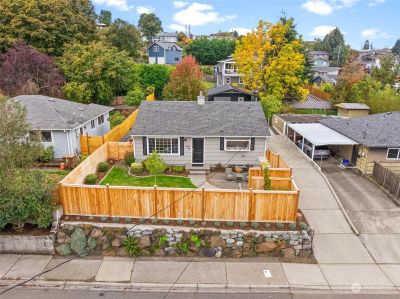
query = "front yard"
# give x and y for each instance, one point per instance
(119, 176)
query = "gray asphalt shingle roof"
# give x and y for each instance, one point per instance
(47, 113)
(225, 88)
(312, 103)
(353, 106)
(182, 118)
(376, 130)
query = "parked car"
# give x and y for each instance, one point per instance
(320, 152)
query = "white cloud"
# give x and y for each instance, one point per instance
(321, 31)
(374, 33)
(198, 14)
(180, 4)
(319, 7)
(240, 30)
(373, 3)
(119, 4)
(177, 27)
(144, 9)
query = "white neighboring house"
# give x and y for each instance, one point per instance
(227, 73)
(61, 122)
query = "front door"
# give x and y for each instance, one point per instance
(198, 151)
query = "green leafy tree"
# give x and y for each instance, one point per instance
(47, 25)
(334, 43)
(153, 75)
(155, 165)
(96, 72)
(24, 195)
(386, 73)
(123, 36)
(105, 17)
(384, 100)
(150, 25)
(115, 119)
(186, 81)
(209, 52)
(135, 96)
(396, 48)
(366, 45)
(351, 74)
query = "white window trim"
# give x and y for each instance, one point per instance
(163, 154)
(156, 49)
(393, 148)
(237, 150)
(51, 135)
(98, 120)
(93, 124)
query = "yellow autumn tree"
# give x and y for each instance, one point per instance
(272, 64)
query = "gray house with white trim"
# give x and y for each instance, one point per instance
(61, 122)
(201, 133)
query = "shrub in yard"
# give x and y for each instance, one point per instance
(154, 221)
(303, 225)
(129, 159)
(135, 96)
(292, 225)
(91, 243)
(255, 225)
(131, 246)
(141, 220)
(217, 223)
(229, 223)
(103, 167)
(91, 179)
(115, 119)
(178, 169)
(65, 250)
(242, 224)
(46, 155)
(137, 167)
(115, 219)
(103, 218)
(267, 225)
(166, 221)
(128, 220)
(280, 225)
(154, 164)
(179, 221)
(78, 241)
(192, 222)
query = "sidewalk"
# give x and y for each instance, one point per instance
(196, 275)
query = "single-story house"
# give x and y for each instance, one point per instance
(325, 78)
(230, 93)
(377, 135)
(352, 109)
(201, 133)
(61, 122)
(164, 53)
(280, 122)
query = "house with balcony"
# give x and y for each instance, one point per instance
(166, 37)
(226, 73)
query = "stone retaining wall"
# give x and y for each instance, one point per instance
(184, 241)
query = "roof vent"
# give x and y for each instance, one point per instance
(201, 99)
(52, 100)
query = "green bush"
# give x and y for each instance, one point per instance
(154, 164)
(303, 225)
(229, 223)
(154, 221)
(129, 159)
(154, 75)
(166, 221)
(242, 224)
(103, 218)
(142, 220)
(292, 225)
(280, 225)
(131, 246)
(179, 221)
(217, 223)
(267, 225)
(103, 167)
(192, 222)
(46, 155)
(255, 225)
(150, 89)
(78, 241)
(115, 219)
(115, 119)
(91, 243)
(65, 250)
(178, 169)
(135, 96)
(91, 179)
(137, 167)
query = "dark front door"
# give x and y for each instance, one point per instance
(198, 151)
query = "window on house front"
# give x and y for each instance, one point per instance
(240, 80)
(156, 48)
(46, 136)
(237, 145)
(81, 130)
(164, 145)
(100, 119)
(176, 58)
(92, 124)
(228, 80)
(393, 154)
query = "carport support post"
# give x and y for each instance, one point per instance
(302, 145)
(294, 137)
(313, 150)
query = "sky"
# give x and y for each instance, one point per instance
(375, 20)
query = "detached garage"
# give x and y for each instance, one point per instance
(228, 93)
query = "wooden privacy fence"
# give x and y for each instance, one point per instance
(91, 143)
(204, 204)
(316, 92)
(275, 160)
(387, 179)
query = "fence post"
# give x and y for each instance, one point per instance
(384, 178)
(102, 138)
(108, 199)
(250, 205)
(202, 204)
(155, 201)
(398, 190)
(87, 143)
(118, 151)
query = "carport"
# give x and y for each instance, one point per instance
(318, 135)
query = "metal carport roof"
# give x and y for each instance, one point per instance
(318, 134)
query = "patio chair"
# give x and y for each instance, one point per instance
(229, 175)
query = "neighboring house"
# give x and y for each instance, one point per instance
(320, 79)
(352, 109)
(315, 55)
(166, 37)
(280, 122)
(325, 74)
(377, 135)
(312, 103)
(61, 122)
(201, 133)
(321, 62)
(230, 93)
(226, 73)
(164, 53)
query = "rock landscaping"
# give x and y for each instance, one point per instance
(156, 240)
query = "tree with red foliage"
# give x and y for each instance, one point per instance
(24, 70)
(185, 83)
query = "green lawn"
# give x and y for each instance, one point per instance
(54, 175)
(119, 176)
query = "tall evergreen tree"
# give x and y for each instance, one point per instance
(105, 17)
(366, 45)
(150, 25)
(396, 47)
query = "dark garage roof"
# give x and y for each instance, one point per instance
(376, 130)
(182, 118)
(301, 118)
(225, 88)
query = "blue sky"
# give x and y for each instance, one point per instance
(376, 20)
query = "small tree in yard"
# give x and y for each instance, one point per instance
(25, 70)
(24, 195)
(155, 165)
(185, 82)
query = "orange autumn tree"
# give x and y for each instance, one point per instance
(186, 82)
